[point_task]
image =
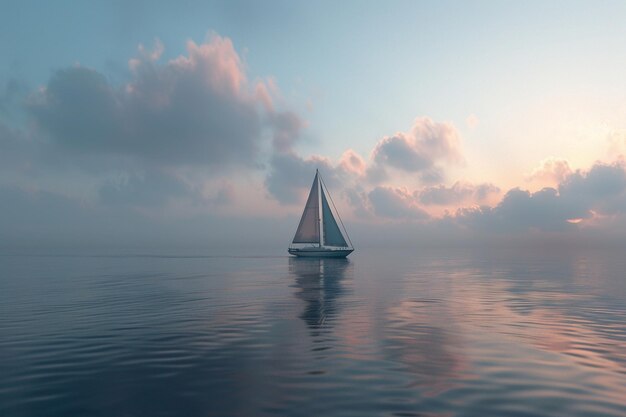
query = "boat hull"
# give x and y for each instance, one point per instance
(320, 253)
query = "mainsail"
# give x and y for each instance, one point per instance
(309, 227)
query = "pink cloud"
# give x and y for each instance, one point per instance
(217, 61)
(422, 150)
(551, 171)
(352, 162)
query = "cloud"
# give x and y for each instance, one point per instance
(358, 200)
(543, 210)
(80, 111)
(420, 150)
(395, 203)
(551, 170)
(181, 134)
(399, 203)
(152, 188)
(400, 151)
(353, 163)
(287, 127)
(601, 189)
(197, 109)
(581, 196)
(458, 193)
(127, 144)
(290, 176)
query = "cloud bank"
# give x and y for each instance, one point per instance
(196, 109)
(582, 199)
(195, 138)
(164, 136)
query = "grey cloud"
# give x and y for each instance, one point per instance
(483, 191)
(601, 190)
(290, 176)
(198, 109)
(456, 194)
(544, 210)
(519, 211)
(194, 125)
(358, 200)
(287, 126)
(151, 188)
(157, 187)
(432, 175)
(376, 173)
(398, 151)
(600, 184)
(394, 203)
(79, 110)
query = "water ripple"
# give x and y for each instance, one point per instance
(393, 334)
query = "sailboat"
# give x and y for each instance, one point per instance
(318, 234)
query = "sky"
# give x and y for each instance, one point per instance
(202, 123)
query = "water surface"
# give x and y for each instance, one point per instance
(384, 333)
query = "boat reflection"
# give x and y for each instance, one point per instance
(320, 284)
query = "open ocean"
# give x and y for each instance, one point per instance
(384, 333)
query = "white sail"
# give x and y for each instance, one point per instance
(332, 233)
(309, 227)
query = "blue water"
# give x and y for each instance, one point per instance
(410, 333)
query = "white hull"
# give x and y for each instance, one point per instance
(320, 252)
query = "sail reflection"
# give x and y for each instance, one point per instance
(320, 284)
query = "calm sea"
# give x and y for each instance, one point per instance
(384, 333)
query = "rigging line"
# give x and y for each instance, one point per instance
(336, 211)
